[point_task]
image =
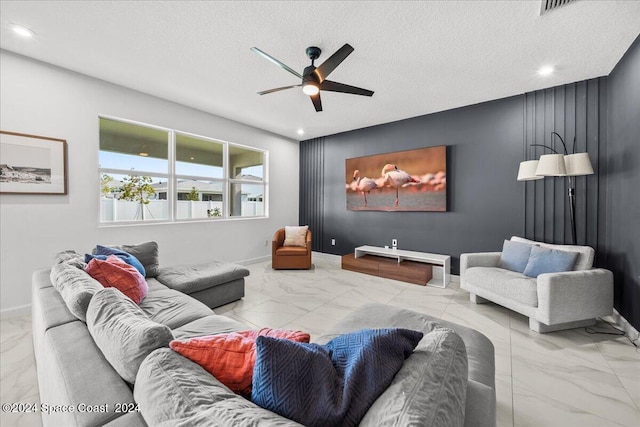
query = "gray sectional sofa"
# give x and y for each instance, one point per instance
(104, 361)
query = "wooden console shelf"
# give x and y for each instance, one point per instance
(407, 266)
(406, 271)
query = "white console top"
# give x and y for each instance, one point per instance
(402, 255)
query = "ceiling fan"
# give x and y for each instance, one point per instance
(314, 78)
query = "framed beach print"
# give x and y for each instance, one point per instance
(31, 164)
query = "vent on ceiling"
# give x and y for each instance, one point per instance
(549, 5)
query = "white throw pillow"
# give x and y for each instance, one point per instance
(295, 236)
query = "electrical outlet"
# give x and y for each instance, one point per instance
(333, 242)
(394, 242)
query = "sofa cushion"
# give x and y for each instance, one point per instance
(231, 357)
(173, 308)
(332, 384)
(585, 253)
(122, 331)
(292, 250)
(545, 260)
(295, 236)
(75, 286)
(154, 285)
(507, 283)
(146, 253)
(70, 257)
(208, 325)
(480, 405)
(196, 397)
(432, 385)
(51, 309)
(72, 370)
(116, 273)
(193, 278)
(103, 252)
(514, 256)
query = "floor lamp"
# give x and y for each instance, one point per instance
(558, 164)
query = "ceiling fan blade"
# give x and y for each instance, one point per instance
(341, 87)
(264, 92)
(275, 61)
(323, 71)
(317, 103)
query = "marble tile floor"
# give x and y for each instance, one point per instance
(567, 378)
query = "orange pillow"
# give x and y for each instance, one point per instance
(115, 273)
(231, 357)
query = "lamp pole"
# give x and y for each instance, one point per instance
(570, 191)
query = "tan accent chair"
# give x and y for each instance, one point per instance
(290, 257)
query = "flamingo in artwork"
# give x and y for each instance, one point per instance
(396, 178)
(364, 185)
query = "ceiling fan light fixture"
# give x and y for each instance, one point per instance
(310, 89)
(314, 79)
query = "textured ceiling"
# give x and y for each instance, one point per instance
(418, 57)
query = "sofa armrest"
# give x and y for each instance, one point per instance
(278, 241)
(479, 259)
(574, 295)
(308, 240)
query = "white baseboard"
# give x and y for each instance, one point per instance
(329, 257)
(254, 260)
(12, 312)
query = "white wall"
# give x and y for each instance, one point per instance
(41, 99)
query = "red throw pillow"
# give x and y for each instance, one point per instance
(115, 273)
(231, 357)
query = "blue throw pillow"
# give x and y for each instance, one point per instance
(514, 256)
(102, 252)
(332, 384)
(543, 260)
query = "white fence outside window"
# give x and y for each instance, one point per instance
(112, 210)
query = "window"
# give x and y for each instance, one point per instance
(200, 177)
(150, 173)
(246, 169)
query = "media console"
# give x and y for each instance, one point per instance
(409, 266)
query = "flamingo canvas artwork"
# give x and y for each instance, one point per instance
(412, 180)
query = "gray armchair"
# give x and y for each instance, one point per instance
(552, 301)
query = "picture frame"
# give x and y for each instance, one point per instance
(409, 180)
(32, 164)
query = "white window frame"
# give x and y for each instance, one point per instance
(172, 177)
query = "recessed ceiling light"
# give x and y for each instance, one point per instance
(301, 131)
(546, 70)
(22, 31)
(143, 154)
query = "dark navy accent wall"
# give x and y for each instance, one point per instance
(311, 211)
(485, 202)
(623, 184)
(574, 110)
(486, 205)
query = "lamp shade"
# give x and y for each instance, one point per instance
(551, 165)
(578, 164)
(527, 171)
